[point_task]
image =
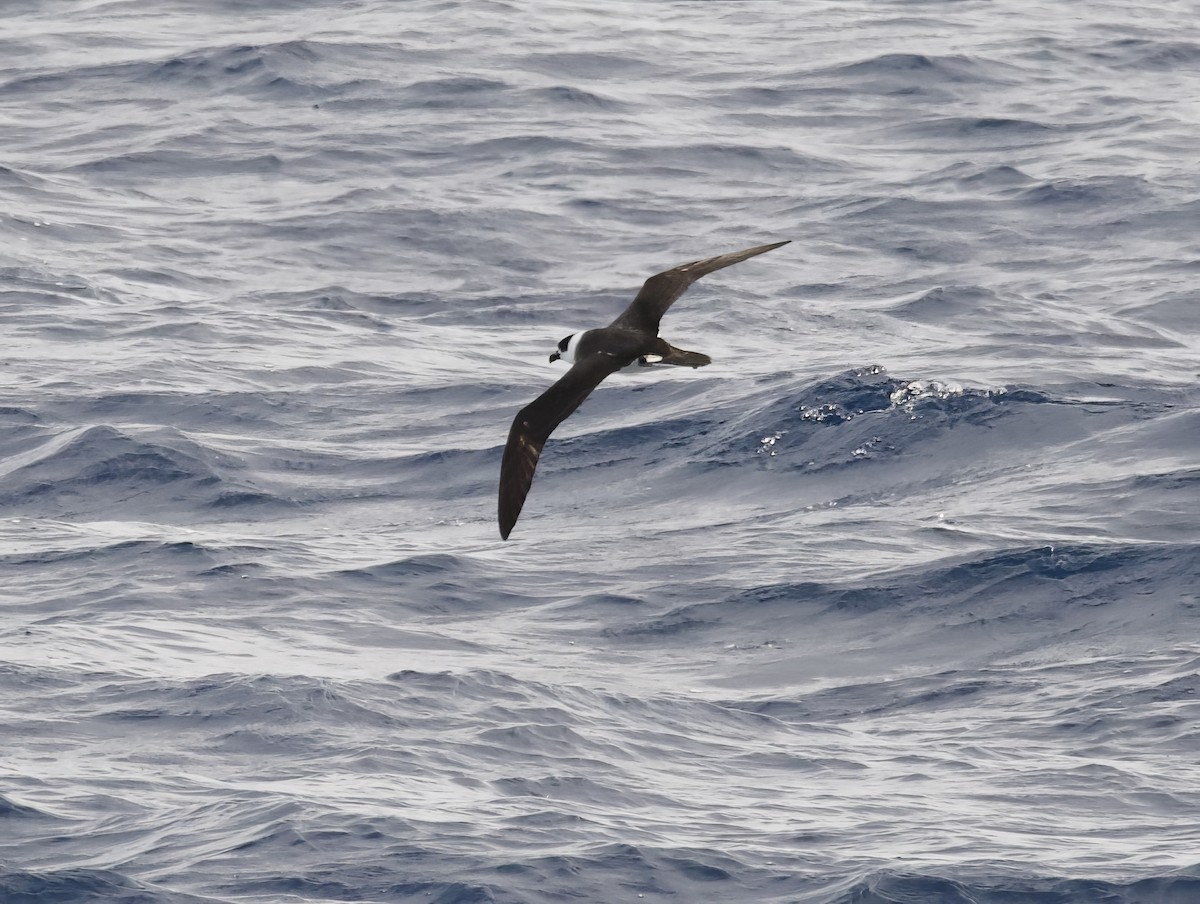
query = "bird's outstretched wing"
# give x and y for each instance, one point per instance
(535, 422)
(661, 290)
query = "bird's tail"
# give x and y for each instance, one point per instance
(683, 358)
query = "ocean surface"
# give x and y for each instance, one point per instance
(898, 602)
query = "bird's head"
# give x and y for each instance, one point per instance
(566, 349)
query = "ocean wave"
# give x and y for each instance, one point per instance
(99, 469)
(901, 888)
(88, 886)
(1020, 599)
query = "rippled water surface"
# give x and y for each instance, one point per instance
(895, 602)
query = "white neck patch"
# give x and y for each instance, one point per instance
(572, 347)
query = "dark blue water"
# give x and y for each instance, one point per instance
(895, 603)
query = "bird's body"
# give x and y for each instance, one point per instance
(632, 339)
(631, 348)
(625, 345)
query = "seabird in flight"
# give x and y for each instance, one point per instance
(594, 354)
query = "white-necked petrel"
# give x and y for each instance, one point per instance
(594, 354)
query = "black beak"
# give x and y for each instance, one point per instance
(555, 357)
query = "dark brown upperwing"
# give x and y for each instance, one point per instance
(660, 291)
(533, 425)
